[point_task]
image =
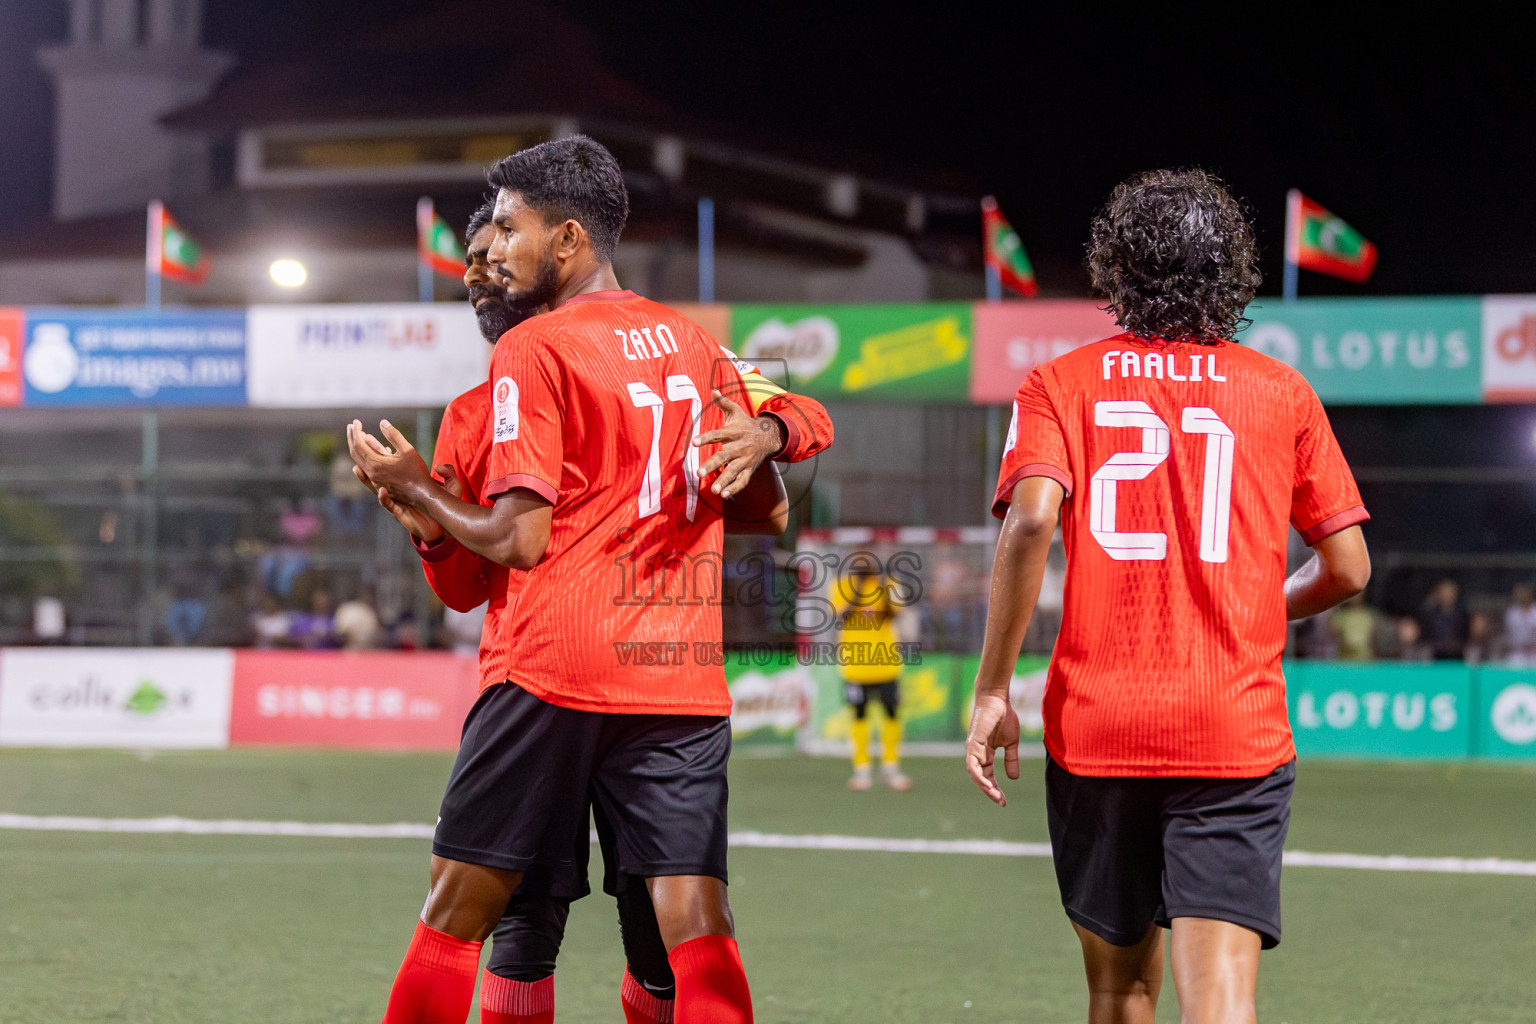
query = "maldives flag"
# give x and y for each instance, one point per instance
(1003, 250)
(171, 251)
(1317, 240)
(436, 244)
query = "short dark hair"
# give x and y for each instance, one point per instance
(479, 219)
(1175, 255)
(573, 178)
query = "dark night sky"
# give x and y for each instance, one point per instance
(1420, 133)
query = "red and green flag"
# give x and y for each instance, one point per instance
(1004, 252)
(172, 251)
(436, 244)
(1316, 239)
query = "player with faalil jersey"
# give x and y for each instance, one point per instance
(1175, 461)
(517, 986)
(594, 407)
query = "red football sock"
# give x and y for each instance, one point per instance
(436, 982)
(711, 983)
(642, 1007)
(504, 1001)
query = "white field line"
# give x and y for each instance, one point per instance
(758, 840)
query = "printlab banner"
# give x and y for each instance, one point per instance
(144, 698)
(111, 357)
(916, 352)
(411, 354)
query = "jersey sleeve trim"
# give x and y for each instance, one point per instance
(808, 429)
(1045, 469)
(439, 550)
(1334, 523)
(791, 437)
(496, 488)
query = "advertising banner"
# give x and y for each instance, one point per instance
(1026, 692)
(1506, 713)
(771, 696)
(112, 357)
(417, 354)
(1366, 710)
(13, 339)
(376, 700)
(929, 695)
(714, 317)
(917, 352)
(1374, 351)
(1509, 348)
(104, 697)
(1012, 338)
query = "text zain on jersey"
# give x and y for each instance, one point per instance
(1153, 364)
(634, 342)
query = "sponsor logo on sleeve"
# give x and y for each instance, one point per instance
(504, 410)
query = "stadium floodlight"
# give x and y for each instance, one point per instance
(288, 273)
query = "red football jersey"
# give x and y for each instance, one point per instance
(1184, 464)
(459, 577)
(594, 407)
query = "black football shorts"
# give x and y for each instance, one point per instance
(1133, 852)
(518, 794)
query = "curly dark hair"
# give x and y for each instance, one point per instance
(1175, 255)
(479, 219)
(574, 178)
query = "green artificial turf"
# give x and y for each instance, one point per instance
(175, 928)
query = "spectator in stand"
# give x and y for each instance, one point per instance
(1410, 646)
(1479, 637)
(1520, 627)
(1443, 623)
(356, 624)
(1354, 624)
(315, 628)
(270, 622)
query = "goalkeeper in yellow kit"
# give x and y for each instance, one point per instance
(867, 661)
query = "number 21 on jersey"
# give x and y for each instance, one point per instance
(1216, 491)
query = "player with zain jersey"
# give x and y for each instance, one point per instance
(517, 985)
(612, 686)
(1175, 462)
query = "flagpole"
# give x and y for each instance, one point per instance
(424, 213)
(706, 250)
(1292, 243)
(994, 284)
(154, 237)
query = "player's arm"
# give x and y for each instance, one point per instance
(459, 577)
(1339, 568)
(456, 575)
(774, 424)
(761, 507)
(1326, 510)
(513, 532)
(805, 420)
(1017, 570)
